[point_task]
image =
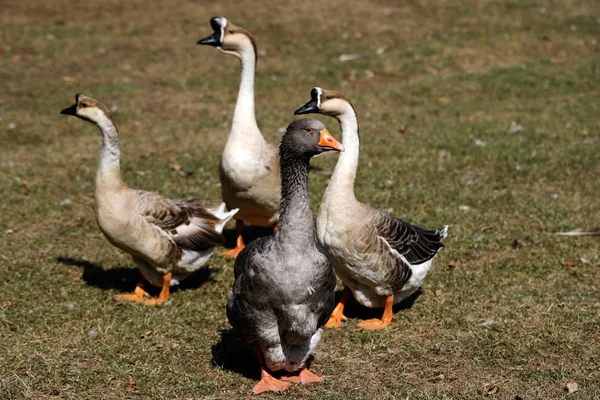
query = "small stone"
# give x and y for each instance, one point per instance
(488, 322)
(554, 196)
(387, 12)
(71, 306)
(281, 130)
(11, 164)
(12, 125)
(584, 260)
(114, 108)
(390, 210)
(571, 387)
(543, 10)
(573, 27)
(515, 127)
(50, 36)
(65, 202)
(370, 164)
(345, 35)
(225, 124)
(8, 231)
(274, 78)
(463, 207)
(93, 332)
(380, 50)
(368, 73)
(480, 143)
(126, 79)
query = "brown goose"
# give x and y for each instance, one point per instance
(168, 239)
(381, 259)
(249, 167)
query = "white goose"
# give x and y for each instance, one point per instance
(381, 259)
(249, 167)
(168, 239)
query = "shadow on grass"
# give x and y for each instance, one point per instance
(232, 353)
(125, 279)
(354, 309)
(250, 233)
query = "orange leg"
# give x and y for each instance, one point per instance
(337, 316)
(164, 292)
(386, 319)
(233, 253)
(138, 294)
(275, 229)
(304, 377)
(267, 382)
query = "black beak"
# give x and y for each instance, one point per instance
(309, 108)
(212, 40)
(215, 39)
(70, 111)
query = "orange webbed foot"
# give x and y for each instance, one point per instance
(233, 253)
(138, 295)
(304, 377)
(335, 321)
(373, 324)
(270, 384)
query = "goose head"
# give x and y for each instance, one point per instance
(308, 137)
(229, 38)
(326, 102)
(88, 109)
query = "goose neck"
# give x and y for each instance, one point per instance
(243, 114)
(344, 174)
(296, 218)
(109, 168)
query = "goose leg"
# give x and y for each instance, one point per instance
(304, 377)
(386, 319)
(233, 253)
(164, 292)
(267, 382)
(138, 294)
(337, 316)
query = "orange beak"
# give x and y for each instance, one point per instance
(328, 142)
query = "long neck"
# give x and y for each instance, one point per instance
(244, 120)
(295, 218)
(109, 168)
(344, 174)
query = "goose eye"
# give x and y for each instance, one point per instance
(83, 105)
(308, 130)
(230, 31)
(328, 97)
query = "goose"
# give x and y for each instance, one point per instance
(381, 259)
(168, 239)
(249, 166)
(284, 284)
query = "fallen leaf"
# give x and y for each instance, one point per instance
(350, 57)
(15, 57)
(175, 167)
(443, 99)
(569, 263)
(68, 78)
(571, 387)
(130, 384)
(487, 228)
(402, 129)
(438, 292)
(145, 335)
(452, 264)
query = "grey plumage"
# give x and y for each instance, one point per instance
(284, 284)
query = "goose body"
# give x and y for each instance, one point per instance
(249, 166)
(380, 258)
(168, 239)
(284, 284)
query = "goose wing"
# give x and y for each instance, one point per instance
(188, 223)
(416, 245)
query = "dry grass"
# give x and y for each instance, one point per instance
(451, 73)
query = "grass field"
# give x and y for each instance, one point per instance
(483, 115)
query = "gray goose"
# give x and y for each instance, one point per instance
(249, 166)
(168, 239)
(284, 284)
(380, 258)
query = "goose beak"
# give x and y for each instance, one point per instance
(309, 108)
(328, 142)
(212, 40)
(70, 111)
